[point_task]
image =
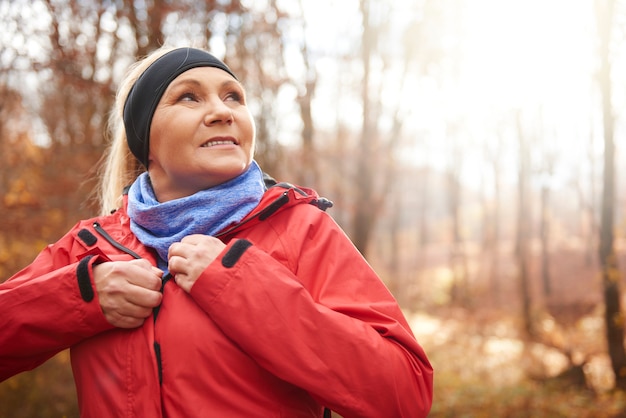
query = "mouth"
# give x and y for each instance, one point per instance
(218, 141)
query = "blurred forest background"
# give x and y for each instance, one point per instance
(472, 148)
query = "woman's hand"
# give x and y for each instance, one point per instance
(188, 258)
(127, 291)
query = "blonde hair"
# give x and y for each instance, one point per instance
(119, 166)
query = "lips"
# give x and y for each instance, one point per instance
(218, 141)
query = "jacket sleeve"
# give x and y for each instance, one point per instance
(326, 323)
(45, 308)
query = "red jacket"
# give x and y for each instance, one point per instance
(289, 319)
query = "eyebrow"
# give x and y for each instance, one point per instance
(197, 83)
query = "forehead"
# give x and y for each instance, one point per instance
(204, 76)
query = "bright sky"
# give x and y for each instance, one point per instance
(528, 51)
(533, 55)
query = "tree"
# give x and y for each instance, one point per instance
(454, 193)
(492, 213)
(375, 151)
(545, 219)
(365, 205)
(308, 173)
(522, 241)
(613, 316)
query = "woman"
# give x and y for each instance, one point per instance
(207, 293)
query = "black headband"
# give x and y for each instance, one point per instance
(146, 93)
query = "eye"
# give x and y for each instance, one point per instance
(187, 97)
(233, 96)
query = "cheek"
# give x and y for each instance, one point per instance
(252, 140)
(155, 134)
(163, 150)
(162, 140)
(155, 145)
(251, 129)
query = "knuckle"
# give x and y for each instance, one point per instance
(156, 299)
(112, 287)
(156, 284)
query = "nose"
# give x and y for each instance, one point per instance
(217, 112)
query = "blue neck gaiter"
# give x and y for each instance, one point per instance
(159, 225)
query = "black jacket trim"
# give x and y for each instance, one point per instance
(322, 203)
(114, 243)
(87, 237)
(235, 252)
(84, 279)
(274, 206)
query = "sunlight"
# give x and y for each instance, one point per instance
(527, 52)
(533, 57)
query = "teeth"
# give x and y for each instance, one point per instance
(212, 143)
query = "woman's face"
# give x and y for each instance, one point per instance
(201, 135)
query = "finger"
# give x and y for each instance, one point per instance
(179, 278)
(122, 321)
(134, 311)
(123, 313)
(146, 278)
(140, 296)
(145, 264)
(176, 264)
(184, 281)
(195, 239)
(141, 263)
(178, 249)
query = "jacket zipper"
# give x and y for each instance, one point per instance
(155, 311)
(157, 346)
(262, 215)
(110, 240)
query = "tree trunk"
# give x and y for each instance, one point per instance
(545, 241)
(523, 215)
(591, 207)
(308, 175)
(458, 262)
(364, 210)
(614, 320)
(495, 249)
